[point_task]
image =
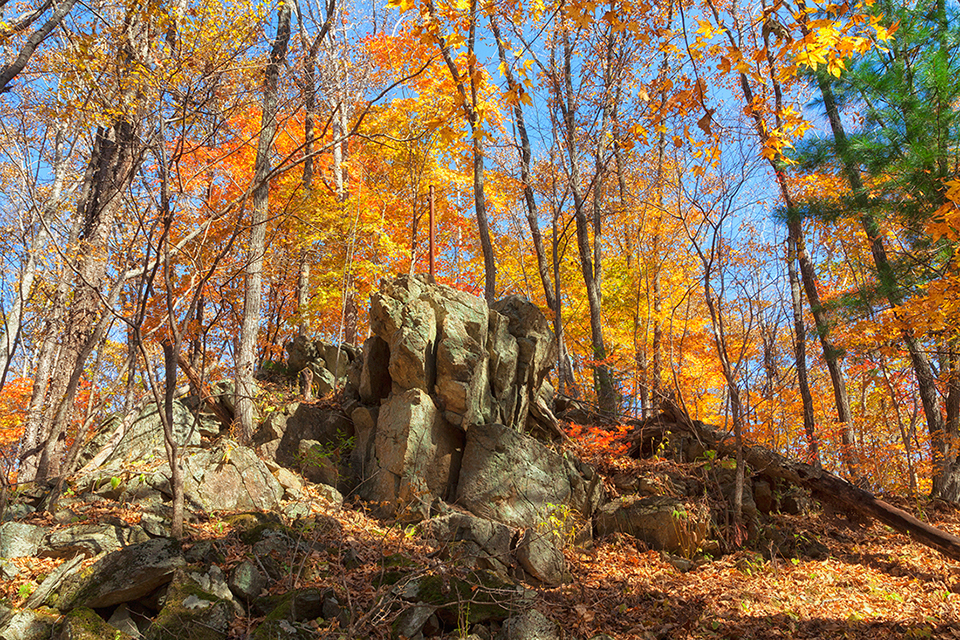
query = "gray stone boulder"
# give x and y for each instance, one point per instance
(461, 386)
(472, 541)
(441, 365)
(246, 581)
(124, 621)
(529, 625)
(512, 478)
(482, 364)
(85, 623)
(28, 624)
(416, 455)
(282, 432)
(228, 477)
(121, 576)
(327, 360)
(536, 355)
(539, 556)
(663, 523)
(189, 606)
(20, 540)
(138, 437)
(90, 540)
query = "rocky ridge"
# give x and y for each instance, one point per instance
(444, 430)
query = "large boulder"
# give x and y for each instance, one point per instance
(539, 556)
(512, 478)
(282, 432)
(461, 387)
(226, 477)
(329, 362)
(417, 455)
(90, 540)
(192, 611)
(481, 363)
(663, 523)
(536, 354)
(122, 576)
(19, 539)
(138, 437)
(530, 625)
(27, 624)
(472, 541)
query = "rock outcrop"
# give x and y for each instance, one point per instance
(444, 421)
(446, 382)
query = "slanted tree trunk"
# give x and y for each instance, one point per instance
(113, 162)
(250, 327)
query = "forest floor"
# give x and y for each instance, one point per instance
(872, 583)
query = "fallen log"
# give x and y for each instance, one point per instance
(769, 463)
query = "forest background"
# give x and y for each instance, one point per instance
(749, 209)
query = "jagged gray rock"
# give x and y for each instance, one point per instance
(417, 453)
(246, 581)
(541, 558)
(227, 477)
(663, 523)
(19, 540)
(122, 576)
(90, 540)
(472, 540)
(529, 625)
(139, 437)
(512, 478)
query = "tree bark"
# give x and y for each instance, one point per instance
(543, 266)
(249, 330)
(800, 347)
(607, 397)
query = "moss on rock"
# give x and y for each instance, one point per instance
(190, 613)
(481, 597)
(84, 624)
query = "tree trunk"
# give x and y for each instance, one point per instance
(800, 346)
(113, 162)
(170, 348)
(469, 104)
(946, 464)
(249, 330)
(543, 266)
(606, 393)
(309, 124)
